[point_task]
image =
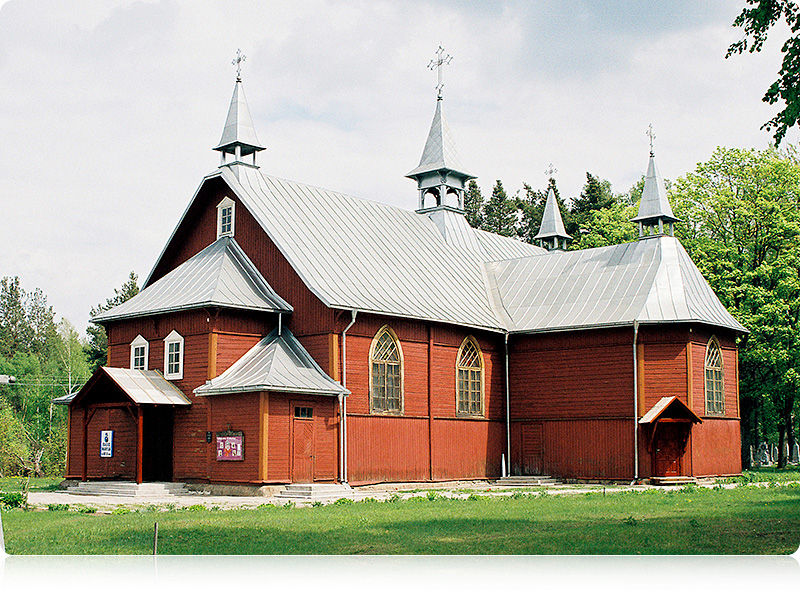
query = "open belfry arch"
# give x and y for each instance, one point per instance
(289, 333)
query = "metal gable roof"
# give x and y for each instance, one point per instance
(358, 254)
(143, 387)
(219, 275)
(649, 281)
(276, 363)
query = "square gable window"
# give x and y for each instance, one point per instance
(225, 217)
(173, 356)
(140, 351)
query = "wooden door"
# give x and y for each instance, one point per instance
(302, 443)
(668, 450)
(532, 449)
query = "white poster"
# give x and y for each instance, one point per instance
(106, 444)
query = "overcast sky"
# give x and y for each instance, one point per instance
(109, 110)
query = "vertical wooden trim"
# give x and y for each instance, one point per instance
(736, 377)
(210, 450)
(642, 407)
(139, 443)
(263, 427)
(69, 434)
(689, 376)
(333, 355)
(212, 355)
(85, 443)
(430, 401)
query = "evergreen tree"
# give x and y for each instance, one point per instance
(97, 345)
(499, 213)
(473, 204)
(596, 195)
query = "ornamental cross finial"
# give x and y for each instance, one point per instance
(652, 137)
(240, 57)
(441, 60)
(551, 170)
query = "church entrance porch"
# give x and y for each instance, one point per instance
(121, 426)
(667, 428)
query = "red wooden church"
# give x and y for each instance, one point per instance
(289, 333)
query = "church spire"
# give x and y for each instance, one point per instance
(654, 209)
(552, 235)
(440, 173)
(239, 135)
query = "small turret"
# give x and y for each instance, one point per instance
(440, 173)
(655, 213)
(552, 234)
(239, 136)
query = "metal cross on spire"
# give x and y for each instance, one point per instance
(551, 170)
(240, 57)
(441, 60)
(650, 133)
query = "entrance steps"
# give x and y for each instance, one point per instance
(672, 480)
(127, 489)
(313, 492)
(526, 481)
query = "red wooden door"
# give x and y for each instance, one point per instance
(668, 450)
(532, 449)
(302, 444)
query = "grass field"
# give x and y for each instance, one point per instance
(749, 519)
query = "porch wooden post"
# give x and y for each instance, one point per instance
(85, 473)
(139, 443)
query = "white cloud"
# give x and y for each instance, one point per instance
(109, 111)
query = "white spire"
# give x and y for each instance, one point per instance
(654, 208)
(552, 232)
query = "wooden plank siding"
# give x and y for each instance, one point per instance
(199, 229)
(239, 413)
(423, 443)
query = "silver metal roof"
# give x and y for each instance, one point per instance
(440, 149)
(219, 275)
(654, 203)
(552, 222)
(649, 281)
(239, 126)
(277, 363)
(144, 387)
(359, 254)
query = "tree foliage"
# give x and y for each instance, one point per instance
(97, 344)
(742, 227)
(756, 19)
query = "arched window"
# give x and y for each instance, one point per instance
(386, 377)
(469, 379)
(715, 397)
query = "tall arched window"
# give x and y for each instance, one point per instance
(469, 379)
(386, 376)
(715, 397)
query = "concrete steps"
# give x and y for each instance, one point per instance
(127, 489)
(312, 492)
(526, 481)
(672, 480)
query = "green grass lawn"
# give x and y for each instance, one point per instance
(690, 520)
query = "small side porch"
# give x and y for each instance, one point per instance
(120, 426)
(667, 429)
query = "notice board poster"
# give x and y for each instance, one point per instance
(230, 446)
(106, 443)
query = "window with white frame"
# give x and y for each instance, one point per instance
(140, 351)
(715, 396)
(225, 217)
(173, 356)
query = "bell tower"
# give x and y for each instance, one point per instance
(655, 215)
(440, 176)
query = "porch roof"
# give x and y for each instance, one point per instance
(142, 387)
(675, 405)
(277, 363)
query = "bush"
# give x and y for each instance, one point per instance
(13, 499)
(58, 507)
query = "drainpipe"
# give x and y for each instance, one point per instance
(508, 415)
(343, 403)
(635, 402)
(280, 315)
